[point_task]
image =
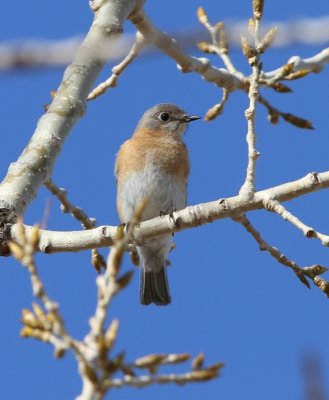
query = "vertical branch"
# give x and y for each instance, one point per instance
(253, 55)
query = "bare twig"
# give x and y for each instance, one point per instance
(78, 213)
(309, 232)
(253, 56)
(136, 48)
(217, 109)
(147, 380)
(311, 272)
(95, 366)
(274, 114)
(46, 327)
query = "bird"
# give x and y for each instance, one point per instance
(154, 165)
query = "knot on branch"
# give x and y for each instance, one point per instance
(314, 178)
(8, 217)
(270, 204)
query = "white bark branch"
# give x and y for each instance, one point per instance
(35, 164)
(312, 64)
(191, 216)
(253, 55)
(185, 63)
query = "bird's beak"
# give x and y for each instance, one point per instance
(189, 118)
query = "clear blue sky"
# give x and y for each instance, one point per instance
(230, 300)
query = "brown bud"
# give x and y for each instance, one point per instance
(297, 74)
(281, 88)
(215, 367)
(124, 280)
(287, 68)
(198, 361)
(111, 334)
(30, 320)
(297, 121)
(149, 360)
(267, 40)
(247, 49)
(206, 47)
(273, 118)
(202, 16)
(26, 332)
(214, 111)
(177, 358)
(59, 352)
(97, 260)
(203, 375)
(258, 8)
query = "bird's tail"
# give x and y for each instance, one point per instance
(154, 287)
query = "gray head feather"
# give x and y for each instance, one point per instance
(166, 117)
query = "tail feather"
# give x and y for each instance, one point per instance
(154, 287)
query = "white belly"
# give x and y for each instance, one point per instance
(163, 193)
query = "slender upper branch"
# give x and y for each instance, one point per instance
(186, 63)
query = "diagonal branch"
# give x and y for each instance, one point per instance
(117, 70)
(311, 272)
(309, 232)
(185, 63)
(35, 164)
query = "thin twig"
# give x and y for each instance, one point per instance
(309, 232)
(311, 272)
(253, 56)
(53, 327)
(147, 380)
(136, 48)
(274, 114)
(78, 213)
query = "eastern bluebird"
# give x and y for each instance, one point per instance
(154, 165)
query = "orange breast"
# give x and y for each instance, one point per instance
(169, 154)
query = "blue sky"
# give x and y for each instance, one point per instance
(230, 300)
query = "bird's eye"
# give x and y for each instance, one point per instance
(164, 116)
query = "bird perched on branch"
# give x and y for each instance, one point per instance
(154, 165)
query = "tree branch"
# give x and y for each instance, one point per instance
(35, 164)
(311, 272)
(190, 217)
(185, 63)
